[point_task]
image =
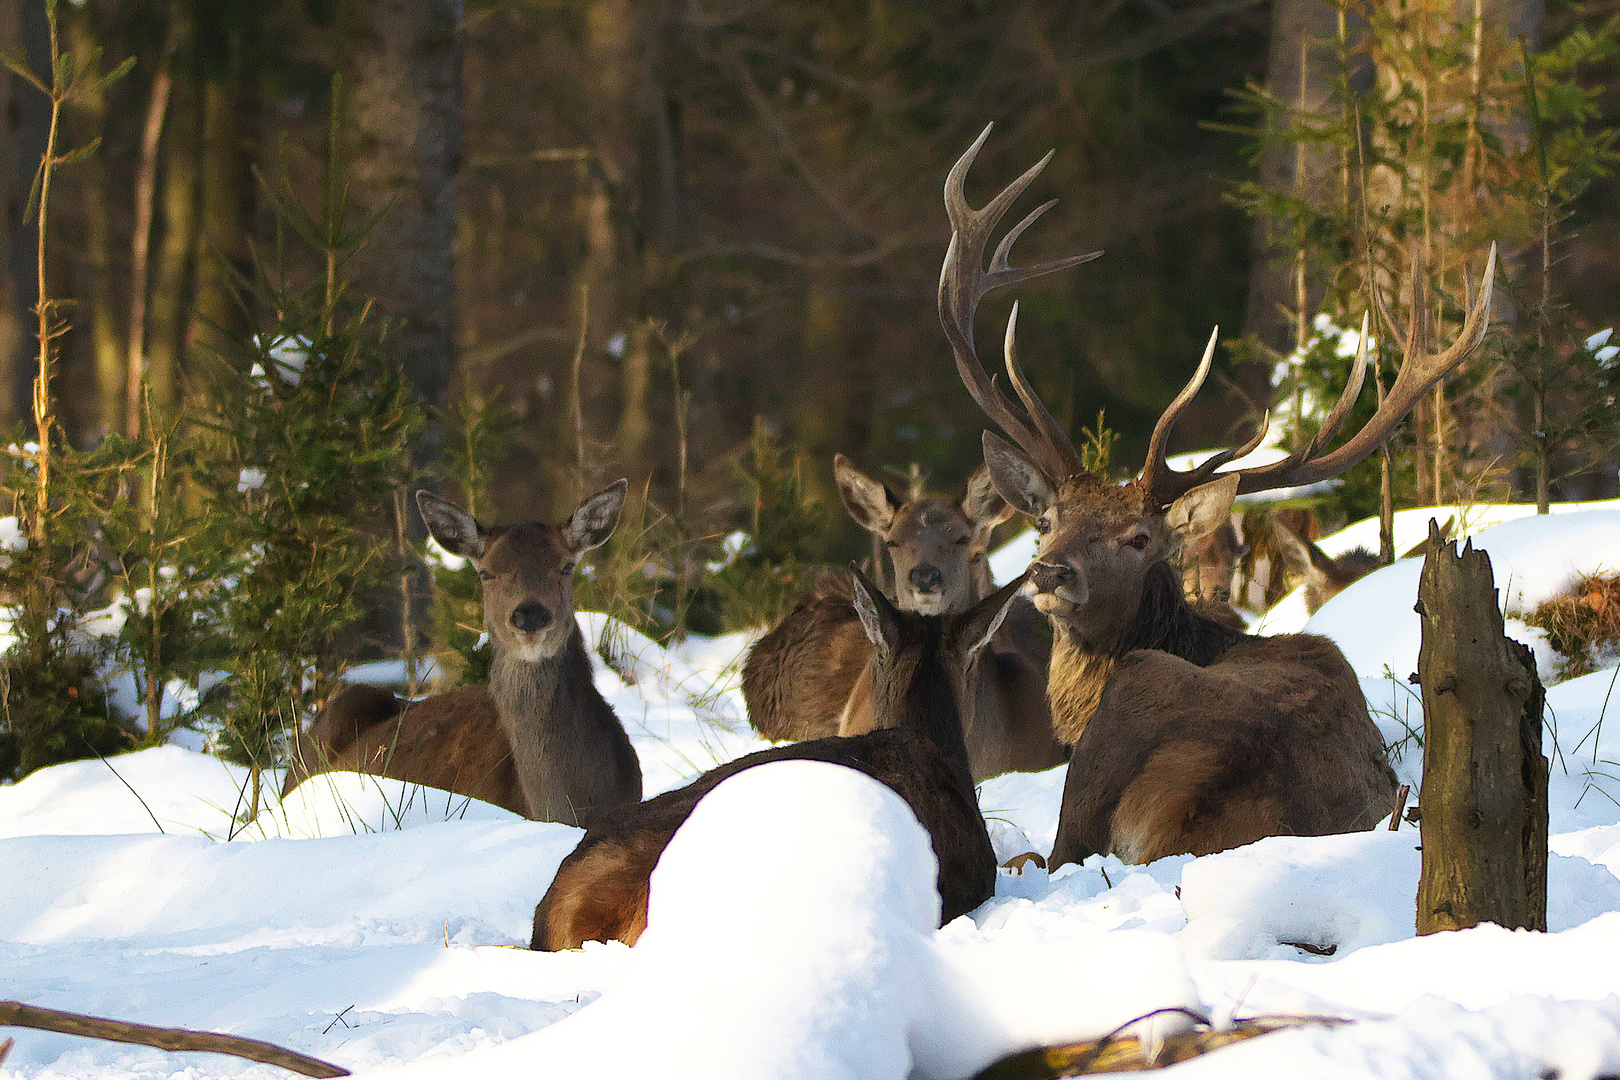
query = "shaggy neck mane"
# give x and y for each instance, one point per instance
(1164, 621)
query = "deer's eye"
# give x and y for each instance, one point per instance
(1042, 526)
(566, 568)
(961, 541)
(891, 543)
(1139, 541)
(485, 575)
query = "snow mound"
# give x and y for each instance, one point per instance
(788, 935)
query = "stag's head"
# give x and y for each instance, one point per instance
(1099, 540)
(527, 570)
(938, 546)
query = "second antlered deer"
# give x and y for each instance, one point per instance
(1188, 736)
(540, 739)
(921, 668)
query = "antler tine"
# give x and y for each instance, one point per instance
(1156, 475)
(1165, 485)
(979, 384)
(1419, 371)
(964, 281)
(1046, 426)
(1347, 400)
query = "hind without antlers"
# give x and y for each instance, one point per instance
(540, 739)
(1188, 736)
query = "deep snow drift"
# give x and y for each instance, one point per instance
(791, 931)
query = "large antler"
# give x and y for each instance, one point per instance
(963, 282)
(1418, 373)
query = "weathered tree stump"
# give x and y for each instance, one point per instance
(1484, 801)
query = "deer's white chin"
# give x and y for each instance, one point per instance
(531, 652)
(929, 605)
(1060, 602)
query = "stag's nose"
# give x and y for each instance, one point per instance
(1050, 577)
(530, 617)
(926, 578)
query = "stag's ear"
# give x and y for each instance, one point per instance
(1202, 510)
(870, 503)
(1018, 479)
(455, 529)
(983, 504)
(880, 618)
(973, 629)
(593, 522)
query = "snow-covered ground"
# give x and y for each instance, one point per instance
(791, 931)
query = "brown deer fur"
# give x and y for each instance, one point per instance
(809, 676)
(922, 668)
(539, 739)
(1188, 736)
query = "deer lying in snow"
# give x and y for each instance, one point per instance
(539, 739)
(1188, 736)
(921, 666)
(809, 677)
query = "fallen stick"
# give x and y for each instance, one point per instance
(16, 1014)
(1126, 1053)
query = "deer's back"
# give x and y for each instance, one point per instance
(451, 741)
(600, 891)
(798, 677)
(1272, 738)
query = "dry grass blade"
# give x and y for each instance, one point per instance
(1582, 623)
(16, 1014)
(1124, 1053)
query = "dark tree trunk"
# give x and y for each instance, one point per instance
(1302, 70)
(1484, 778)
(11, 312)
(28, 121)
(403, 123)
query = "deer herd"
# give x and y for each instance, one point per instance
(1182, 733)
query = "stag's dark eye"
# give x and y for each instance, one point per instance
(961, 541)
(565, 569)
(1139, 541)
(485, 575)
(1042, 526)
(891, 543)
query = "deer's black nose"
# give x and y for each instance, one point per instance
(531, 617)
(1048, 577)
(926, 578)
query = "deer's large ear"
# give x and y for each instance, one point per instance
(1202, 510)
(880, 618)
(870, 503)
(983, 504)
(973, 629)
(455, 529)
(593, 522)
(1018, 479)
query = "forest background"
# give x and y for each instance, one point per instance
(740, 201)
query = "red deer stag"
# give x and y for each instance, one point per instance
(809, 677)
(921, 666)
(539, 739)
(1188, 736)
